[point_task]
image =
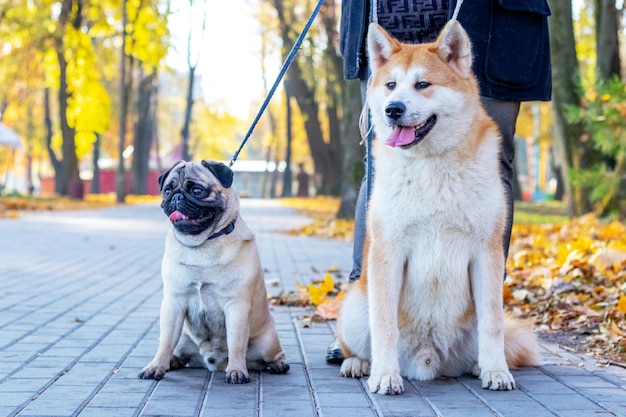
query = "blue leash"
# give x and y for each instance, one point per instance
(281, 74)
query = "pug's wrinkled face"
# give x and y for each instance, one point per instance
(194, 194)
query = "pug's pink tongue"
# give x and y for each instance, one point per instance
(400, 136)
(177, 215)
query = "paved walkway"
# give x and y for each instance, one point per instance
(79, 302)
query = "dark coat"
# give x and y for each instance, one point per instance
(510, 44)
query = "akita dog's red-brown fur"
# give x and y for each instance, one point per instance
(429, 302)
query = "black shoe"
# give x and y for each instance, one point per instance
(333, 354)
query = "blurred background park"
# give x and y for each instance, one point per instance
(98, 97)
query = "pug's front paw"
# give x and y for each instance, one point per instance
(280, 366)
(153, 371)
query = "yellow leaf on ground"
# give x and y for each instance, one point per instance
(621, 304)
(328, 285)
(317, 295)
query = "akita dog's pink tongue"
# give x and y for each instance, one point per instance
(177, 215)
(400, 136)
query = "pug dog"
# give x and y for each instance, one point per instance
(214, 312)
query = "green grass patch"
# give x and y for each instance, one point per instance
(540, 212)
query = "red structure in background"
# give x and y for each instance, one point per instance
(107, 183)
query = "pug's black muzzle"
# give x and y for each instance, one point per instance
(190, 215)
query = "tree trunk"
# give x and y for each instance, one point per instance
(186, 154)
(608, 66)
(607, 45)
(319, 149)
(54, 160)
(568, 139)
(69, 163)
(68, 173)
(287, 177)
(334, 92)
(95, 181)
(30, 132)
(120, 178)
(144, 133)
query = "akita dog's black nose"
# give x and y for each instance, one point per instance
(395, 110)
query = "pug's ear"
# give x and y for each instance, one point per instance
(223, 174)
(164, 175)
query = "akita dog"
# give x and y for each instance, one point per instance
(430, 301)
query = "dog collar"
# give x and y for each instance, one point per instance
(224, 231)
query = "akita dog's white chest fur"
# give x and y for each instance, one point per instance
(436, 195)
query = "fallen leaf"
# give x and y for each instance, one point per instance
(330, 308)
(621, 304)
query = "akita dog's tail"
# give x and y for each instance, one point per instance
(521, 347)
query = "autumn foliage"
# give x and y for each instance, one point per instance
(571, 277)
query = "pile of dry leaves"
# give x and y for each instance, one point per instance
(11, 206)
(569, 278)
(321, 210)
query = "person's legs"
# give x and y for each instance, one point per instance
(505, 113)
(359, 231)
(361, 209)
(333, 353)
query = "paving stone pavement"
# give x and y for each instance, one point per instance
(79, 301)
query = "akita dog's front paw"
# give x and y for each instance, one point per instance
(355, 368)
(497, 380)
(389, 384)
(237, 375)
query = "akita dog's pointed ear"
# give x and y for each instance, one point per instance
(380, 46)
(454, 48)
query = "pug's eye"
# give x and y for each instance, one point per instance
(197, 191)
(167, 192)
